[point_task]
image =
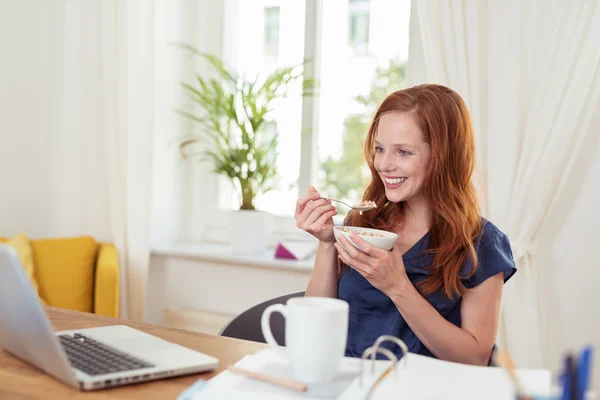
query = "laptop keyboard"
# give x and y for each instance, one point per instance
(95, 358)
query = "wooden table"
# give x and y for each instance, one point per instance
(19, 381)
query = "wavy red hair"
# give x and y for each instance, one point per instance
(444, 119)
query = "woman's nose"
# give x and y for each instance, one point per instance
(387, 162)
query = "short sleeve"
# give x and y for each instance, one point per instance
(494, 256)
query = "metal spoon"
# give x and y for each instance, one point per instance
(359, 208)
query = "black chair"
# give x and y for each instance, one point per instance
(247, 325)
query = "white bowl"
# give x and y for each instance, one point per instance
(382, 239)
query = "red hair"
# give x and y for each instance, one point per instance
(444, 119)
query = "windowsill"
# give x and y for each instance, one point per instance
(221, 253)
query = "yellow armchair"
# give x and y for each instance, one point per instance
(106, 285)
(74, 273)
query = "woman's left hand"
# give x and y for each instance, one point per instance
(383, 269)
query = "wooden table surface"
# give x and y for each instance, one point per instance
(19, 380)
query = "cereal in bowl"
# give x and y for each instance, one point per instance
(364, 233)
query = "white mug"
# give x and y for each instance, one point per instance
(316, 331)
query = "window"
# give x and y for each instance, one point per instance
(286, 118)
(352, 86)
(358, 25)
(321, 143)
(271, 32)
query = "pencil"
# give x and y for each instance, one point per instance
(380, 379)
(285, 383)
(506, 362)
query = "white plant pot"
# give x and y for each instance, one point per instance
(250, 230)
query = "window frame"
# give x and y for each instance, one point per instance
(209, 223)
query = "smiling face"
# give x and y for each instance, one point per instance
(402, 157)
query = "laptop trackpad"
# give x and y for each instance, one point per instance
(142, 344)
(146, 347)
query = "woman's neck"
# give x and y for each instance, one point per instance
(418, 215)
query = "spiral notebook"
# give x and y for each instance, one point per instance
(412, 377)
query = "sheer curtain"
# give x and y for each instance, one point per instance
(530, 74)
(127, 95)
(104, 90)
(90, 134)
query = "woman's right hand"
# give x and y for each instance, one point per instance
(315, 215)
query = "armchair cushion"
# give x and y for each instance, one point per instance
(24, 251)
(65, 271)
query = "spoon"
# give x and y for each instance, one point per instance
(360, 207)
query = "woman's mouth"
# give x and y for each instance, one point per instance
(393, 183)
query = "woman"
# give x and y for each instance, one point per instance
(440, 288)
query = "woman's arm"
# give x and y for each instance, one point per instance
(472, 343)
(324, 279)
(315, 216)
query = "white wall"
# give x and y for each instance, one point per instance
(170, 173)
(50, 156)
(225, 288)
(26, 118)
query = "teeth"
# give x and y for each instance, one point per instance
(395, 180)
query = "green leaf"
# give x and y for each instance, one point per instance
(234, 110)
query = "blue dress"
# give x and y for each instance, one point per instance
(373, 314)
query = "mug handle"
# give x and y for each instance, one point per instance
(265, 323)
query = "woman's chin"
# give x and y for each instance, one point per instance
(394, 197)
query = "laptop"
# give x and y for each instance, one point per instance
(87, 359)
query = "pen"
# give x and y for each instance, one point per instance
(565, 383)
(572, 377)
(583, 372)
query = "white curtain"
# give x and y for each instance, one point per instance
(105, 87)
(87, 128)
(530, 74)
(127, 99)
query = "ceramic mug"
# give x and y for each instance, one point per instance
(316, 331)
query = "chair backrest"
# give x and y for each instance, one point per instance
(57, 260)
(247, 325)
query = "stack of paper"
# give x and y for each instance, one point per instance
(422, 378)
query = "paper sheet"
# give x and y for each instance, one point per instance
(424, 378)
(228, 385)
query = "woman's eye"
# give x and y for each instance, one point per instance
(378, 149)
(404, 152)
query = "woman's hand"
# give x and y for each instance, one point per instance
(383, 269)
(315, 215)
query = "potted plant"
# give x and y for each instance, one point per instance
(232, 113)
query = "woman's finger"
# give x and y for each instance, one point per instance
(303, 201)
(324, 218)
(366, 246)
(354, 252)
(311, 206)
(317, 214)
(360, 266)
